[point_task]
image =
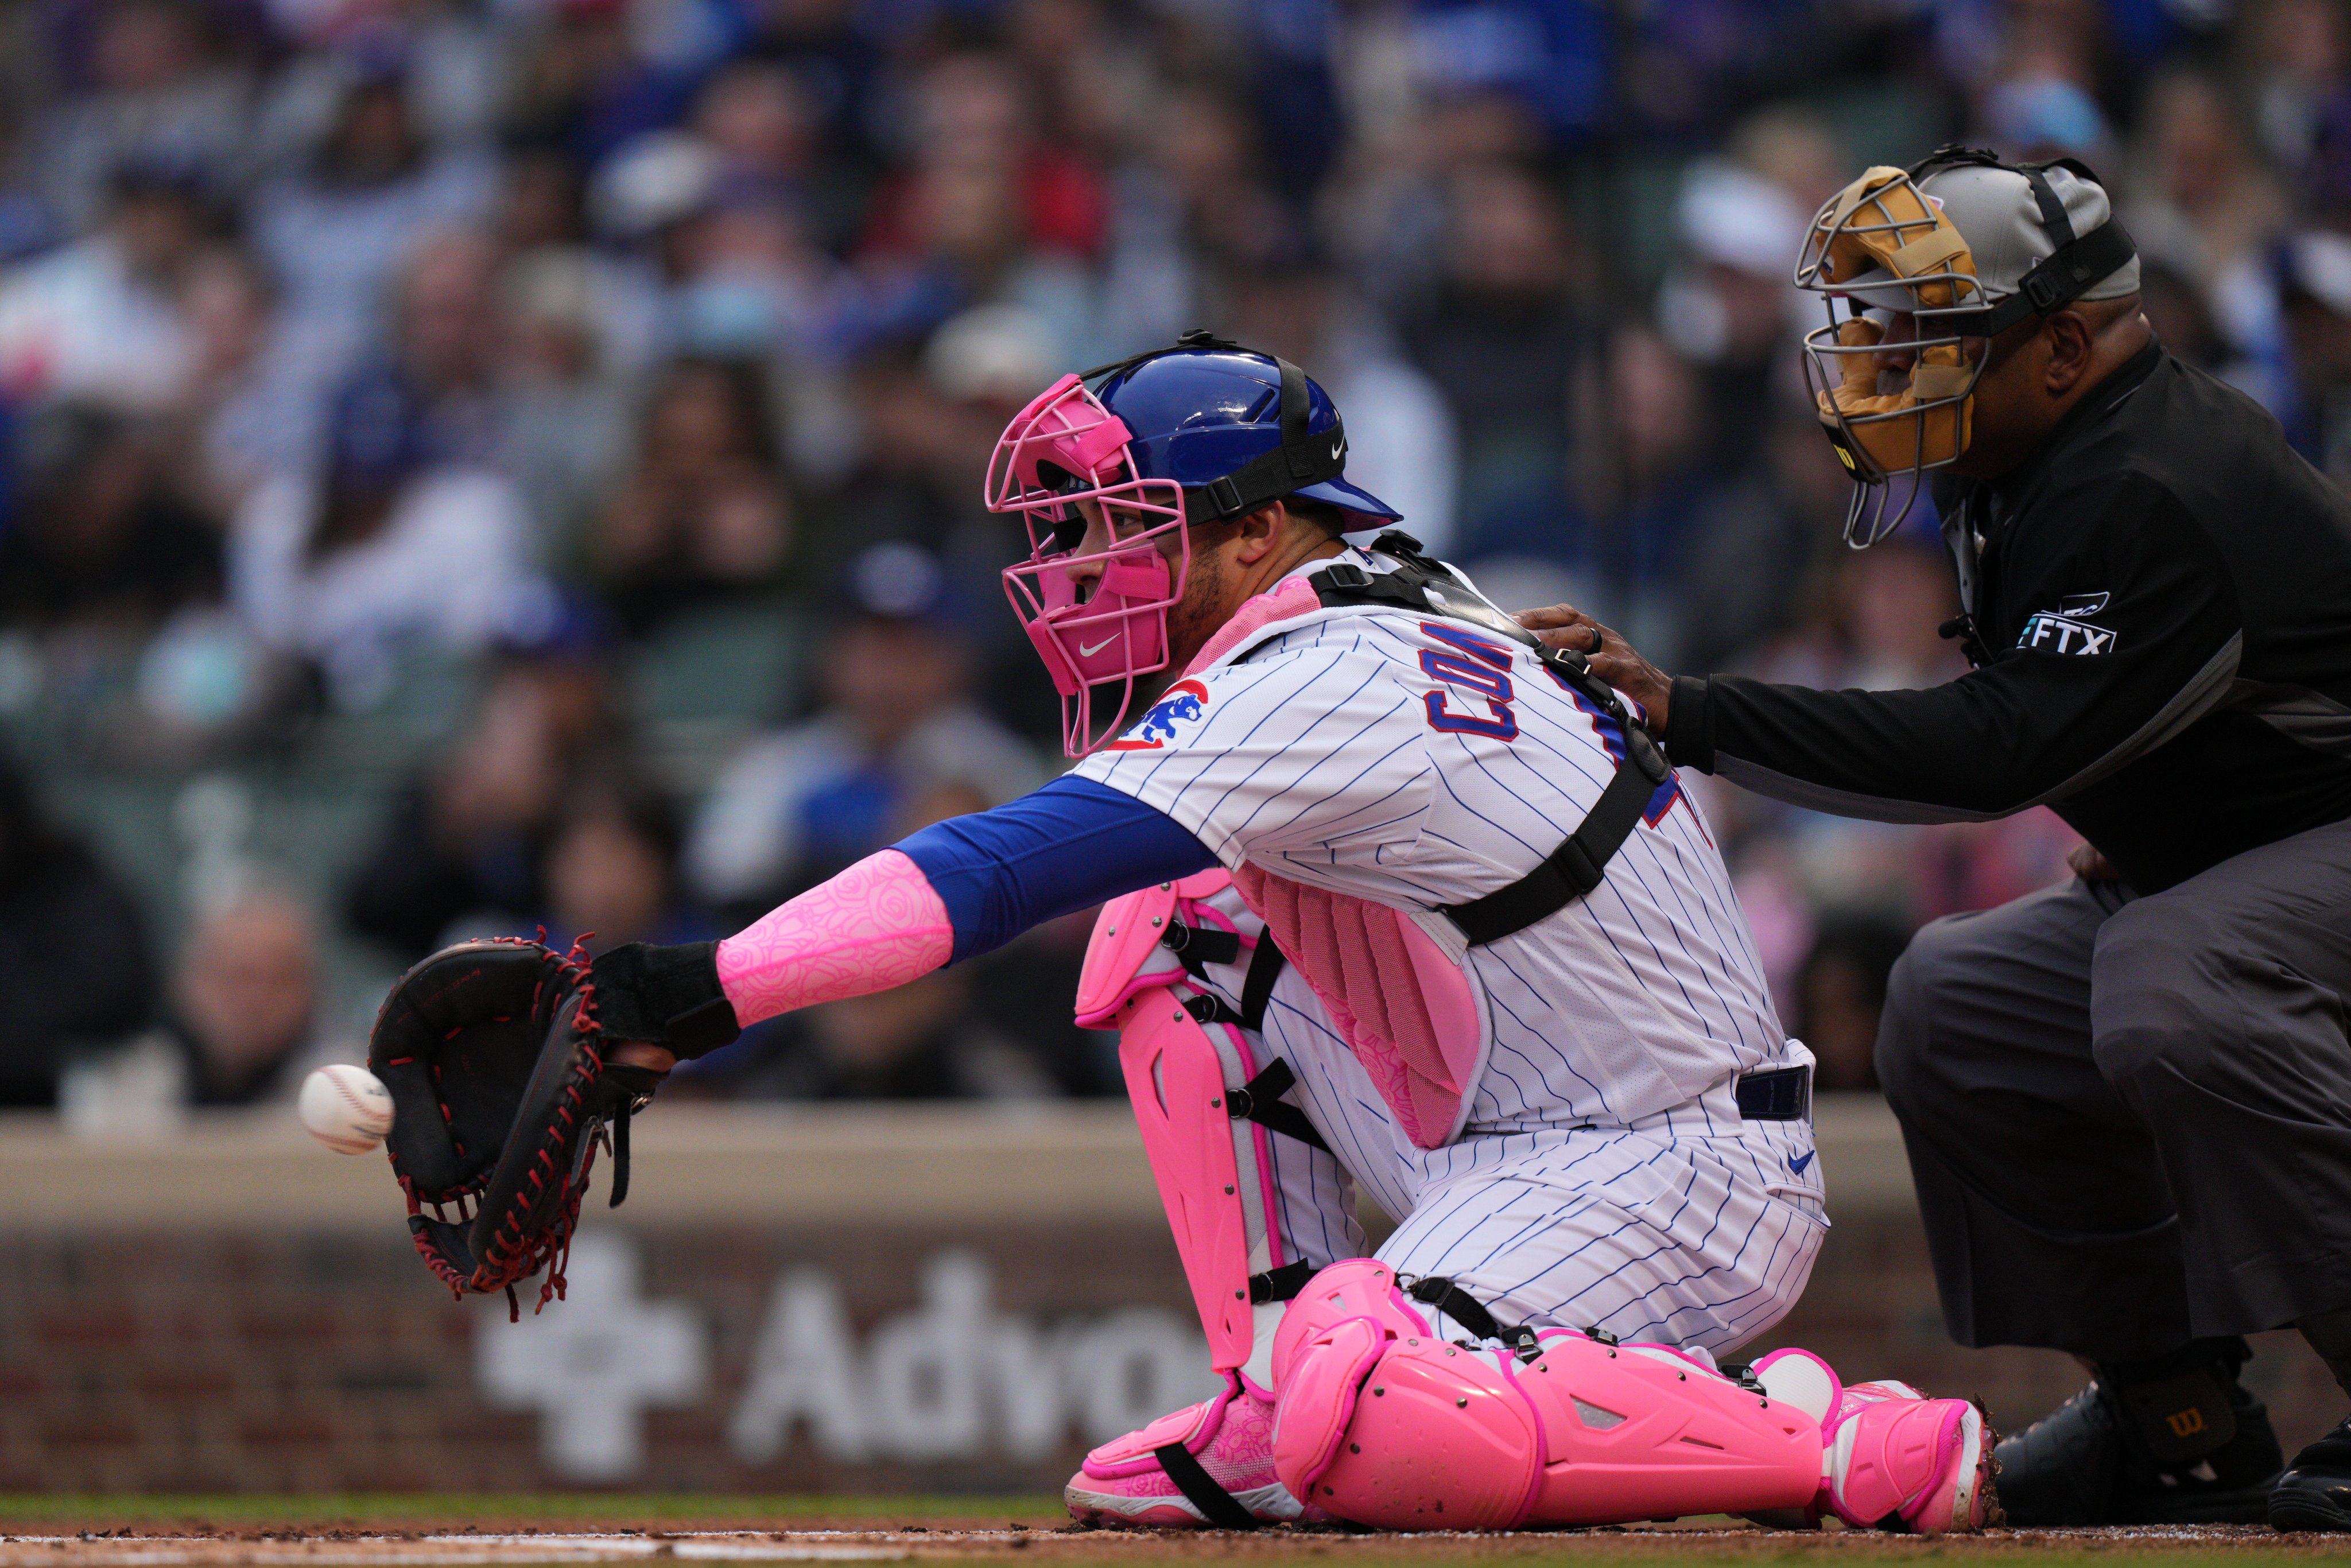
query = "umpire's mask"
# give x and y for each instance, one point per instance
(1966, 245)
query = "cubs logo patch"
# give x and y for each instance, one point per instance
(1184, 702)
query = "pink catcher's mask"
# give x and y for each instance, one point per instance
(1099, 621)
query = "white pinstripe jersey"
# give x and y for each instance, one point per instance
(1419, 762)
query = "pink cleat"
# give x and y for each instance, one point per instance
(1226, 1442)
(1896, 1459)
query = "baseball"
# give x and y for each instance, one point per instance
(345, 1108)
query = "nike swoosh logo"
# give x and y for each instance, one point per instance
(1797, 1163)
(1336, 448)
(1084, 652)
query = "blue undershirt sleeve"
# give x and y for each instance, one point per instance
(1072, 843)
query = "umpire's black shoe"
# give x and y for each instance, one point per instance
(2315, 1493)
(2178, 1441)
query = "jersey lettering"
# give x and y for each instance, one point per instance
(1467, 642)
(1483, 676)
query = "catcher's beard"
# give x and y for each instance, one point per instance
(1208, 602)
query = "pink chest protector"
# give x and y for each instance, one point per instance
(1405, 1009)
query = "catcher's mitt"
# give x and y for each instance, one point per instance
(492, 1052)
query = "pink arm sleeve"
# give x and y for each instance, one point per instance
(875, 926)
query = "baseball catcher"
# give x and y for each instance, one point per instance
(1394, 895)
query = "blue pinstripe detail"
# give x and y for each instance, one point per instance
(1336, 827)
(1705, 971)
(1269, 756)
(1197, 747)
(1719, 1306)
(1197, 752)
(1598, 1093)
(1764, 1288)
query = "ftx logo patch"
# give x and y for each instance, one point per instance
(2066, 628)
(1184, 702)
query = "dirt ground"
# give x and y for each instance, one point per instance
(424, 1532)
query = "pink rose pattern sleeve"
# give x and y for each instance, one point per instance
(877, 924)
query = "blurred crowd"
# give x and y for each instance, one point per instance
(534, 334)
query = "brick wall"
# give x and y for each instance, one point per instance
(221, 1356)
(334, 1363)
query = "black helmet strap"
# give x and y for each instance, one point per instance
(2071, 266)
(1301, 460)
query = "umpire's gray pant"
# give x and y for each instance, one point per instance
(2130, 1118)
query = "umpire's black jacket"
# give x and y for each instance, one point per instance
(2160, 608)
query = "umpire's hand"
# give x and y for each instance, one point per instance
(1565, 627)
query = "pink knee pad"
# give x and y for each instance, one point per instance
(1351, 1287)
(1333, 1333)
(1410, 1433)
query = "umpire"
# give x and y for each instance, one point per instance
(2127, 1099)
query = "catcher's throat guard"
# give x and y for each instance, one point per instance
(1884, 244)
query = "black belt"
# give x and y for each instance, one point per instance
(1783, 1094)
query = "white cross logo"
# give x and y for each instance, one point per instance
(593, 1362)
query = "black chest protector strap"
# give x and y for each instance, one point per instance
(1259, 1100)
(1424, 587)
(1196, 948)
(1256, 986)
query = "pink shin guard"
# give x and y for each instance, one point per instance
(1379, 1422)
(875, 926)
(1177, 1081)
